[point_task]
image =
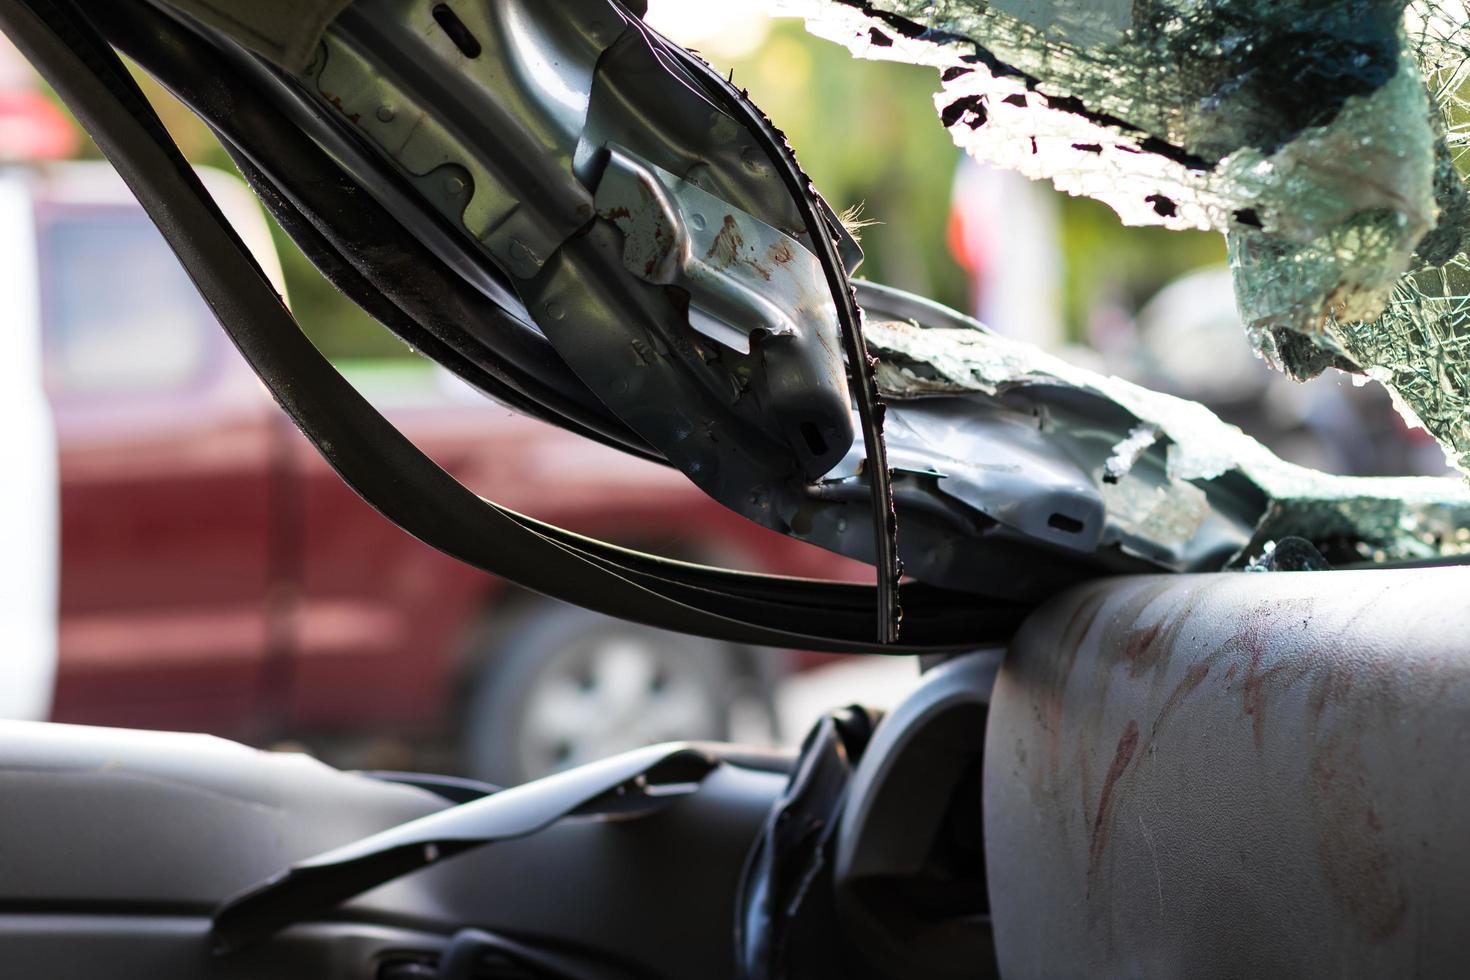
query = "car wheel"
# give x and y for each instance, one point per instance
(569, 686)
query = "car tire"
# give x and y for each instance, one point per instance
(566, 686)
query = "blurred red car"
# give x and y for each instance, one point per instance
(215, 575)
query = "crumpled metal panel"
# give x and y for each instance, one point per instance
(482, 133)
(1321, 138)
(1227, 776)
(1177, 485)
(517, 122)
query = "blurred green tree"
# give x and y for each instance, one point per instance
(867, 134)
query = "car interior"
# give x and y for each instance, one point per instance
(1186, 710)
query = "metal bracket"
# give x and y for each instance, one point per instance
(743, 276)
(472, 112)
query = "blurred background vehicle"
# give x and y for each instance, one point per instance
(215, 575)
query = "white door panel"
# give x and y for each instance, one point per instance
(29, 527)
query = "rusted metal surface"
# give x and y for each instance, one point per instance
(742, 275)
(1235, 775)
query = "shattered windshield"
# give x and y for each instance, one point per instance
(1324, 140)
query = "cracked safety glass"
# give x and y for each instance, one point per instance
(1325, 140)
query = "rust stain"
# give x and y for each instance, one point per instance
(1261, 679)
(1082, 618)
(725, 249)
(336, 100)
(1053, 685)
(1357, 862)
(1127, 744)
(1192, 679)
(1269, 649)
(780, 253)
(1253, 691)
(1142, 648)
(1329, 687)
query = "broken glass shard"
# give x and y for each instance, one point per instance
(1322, 137)
(1178, 486)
